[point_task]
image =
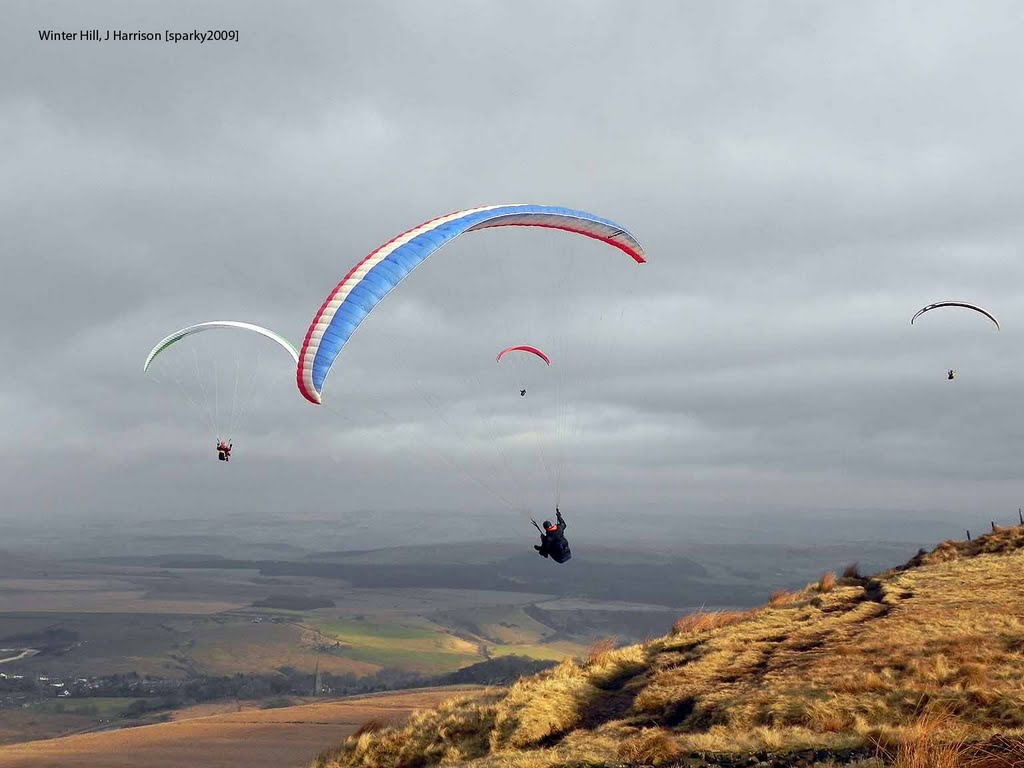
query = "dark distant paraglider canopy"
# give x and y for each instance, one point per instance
(963, 304)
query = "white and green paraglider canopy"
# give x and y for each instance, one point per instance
(214, 324)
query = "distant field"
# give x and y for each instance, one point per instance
(19, 725)
(51, 718)
(509, 630)
(222, 707)
(502, 624)
(275, 738)
(549, 651)
(97, 706)
(92, 620)
(96, 595)
(425, 648)
(54, 718)
(241, 646)
(98, 643)
(432, 648)
(174, 645)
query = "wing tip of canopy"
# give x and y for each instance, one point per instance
(304, 381)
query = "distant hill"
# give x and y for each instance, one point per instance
(599, 574)
(921, 666)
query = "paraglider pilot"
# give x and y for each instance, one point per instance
(224, 450)
(951, 374)
(552, 540)
(522, 393)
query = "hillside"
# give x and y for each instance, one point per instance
(921, 663)
(250, 736)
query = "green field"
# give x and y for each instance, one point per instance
(418, 646)
(504, 625)
(353, 629)
(422, 646)
(425, 662)
(545, 652)
(98, 706)
(228, 647)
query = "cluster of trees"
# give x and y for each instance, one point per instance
(503, 670)
(294, 602)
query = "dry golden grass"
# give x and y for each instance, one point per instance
(783, 597)
(652, 746)
(613, 670)
(600, 649)
(704, 621)
(928, 754)
(926, 661)
(926, 740)
(370, 726)
(1002, 541)
(935, 739)
(456, 731)
(998, 752)
(541, 707)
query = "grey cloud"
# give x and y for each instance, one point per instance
(803, 177)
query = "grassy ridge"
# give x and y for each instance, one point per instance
(923, 664)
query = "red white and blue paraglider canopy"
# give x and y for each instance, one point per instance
(381, 271)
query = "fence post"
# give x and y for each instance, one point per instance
(968, 534)
(993, 523)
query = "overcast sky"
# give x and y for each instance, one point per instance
(803, 176)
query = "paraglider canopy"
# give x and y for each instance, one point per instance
(524, 348)
(371, 279)
(214, 324)
(963, 304)
(207, 384)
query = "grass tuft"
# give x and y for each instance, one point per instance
(706, 621)
(926, 742)
(782, 598)
(601, 649)
(652, 746)
(370, 726)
